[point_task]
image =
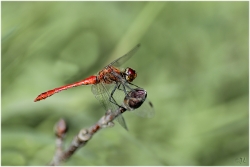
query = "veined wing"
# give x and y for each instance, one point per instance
(102, 94)
(118, 62)
(146, 110)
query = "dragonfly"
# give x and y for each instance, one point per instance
(109, 87)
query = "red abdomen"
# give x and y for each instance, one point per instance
(87, 81)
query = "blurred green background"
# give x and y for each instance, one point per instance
(193, 61)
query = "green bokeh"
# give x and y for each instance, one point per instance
(193, 61)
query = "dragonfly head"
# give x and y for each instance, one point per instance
(130, 74)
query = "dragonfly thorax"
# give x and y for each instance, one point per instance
(130, 74)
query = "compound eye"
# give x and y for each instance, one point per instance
(130, 74)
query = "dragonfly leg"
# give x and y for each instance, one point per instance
(118, 85)
(111, 98)
(124, 89)
(133, 85)
(129, 83)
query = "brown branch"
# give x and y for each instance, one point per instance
(133, 100)
(60, 131)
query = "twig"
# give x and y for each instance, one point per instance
(60, 131)
(133, 100)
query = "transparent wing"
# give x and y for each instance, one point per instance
(118, 62)
(102, 94)
(146, 110)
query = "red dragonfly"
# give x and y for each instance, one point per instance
(105, 84)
